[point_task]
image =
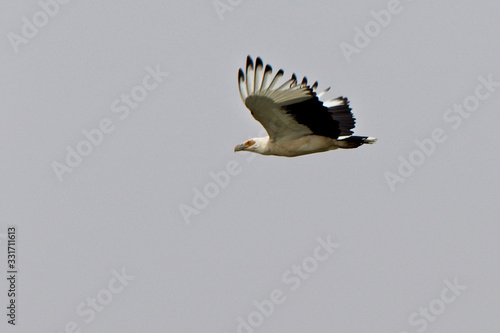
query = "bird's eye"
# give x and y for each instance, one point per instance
(249, 143)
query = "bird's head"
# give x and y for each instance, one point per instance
(255, 145)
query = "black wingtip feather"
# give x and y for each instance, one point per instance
(258, 63)
(249, 62)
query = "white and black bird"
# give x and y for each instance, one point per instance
(296, 120)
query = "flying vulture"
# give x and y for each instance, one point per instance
(296, 120)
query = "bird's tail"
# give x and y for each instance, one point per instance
(355, 141)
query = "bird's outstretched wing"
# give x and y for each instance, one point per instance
(291, 110)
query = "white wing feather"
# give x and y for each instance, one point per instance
(265, 101)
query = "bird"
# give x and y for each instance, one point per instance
(296, 120)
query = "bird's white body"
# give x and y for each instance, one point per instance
(296, 147)
(309, 144)
(297, 122)
(301, 146)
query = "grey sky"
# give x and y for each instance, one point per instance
(113, 228)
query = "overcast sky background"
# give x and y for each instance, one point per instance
(120, 208)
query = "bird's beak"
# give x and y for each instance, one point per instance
(239, 148)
